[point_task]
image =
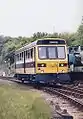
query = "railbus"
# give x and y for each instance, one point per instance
(43, 61)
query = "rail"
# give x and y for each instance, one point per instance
(75, 101)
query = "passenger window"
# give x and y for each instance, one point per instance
(26, 54)
(34, 53)
(31, 53)
(20, 56)
(17, 57)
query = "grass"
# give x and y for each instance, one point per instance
(21, 104)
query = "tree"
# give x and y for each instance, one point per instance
(54, 35)
(68, 37)
(80, 34)
(39, 35)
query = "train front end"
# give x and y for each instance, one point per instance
(51, 61)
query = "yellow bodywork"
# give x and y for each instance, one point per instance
(52, 66)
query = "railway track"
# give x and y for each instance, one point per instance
(80, 88)
(74, 91)
(71, 93)
(65, 94)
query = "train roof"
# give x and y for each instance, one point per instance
(28, 45)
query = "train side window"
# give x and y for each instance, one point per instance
(29, 54)
(32, 53)
(20, 56)
(26, 54)
(17, 57)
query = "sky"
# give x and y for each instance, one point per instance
(25, 17)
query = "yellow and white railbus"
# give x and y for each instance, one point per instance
(43, 61)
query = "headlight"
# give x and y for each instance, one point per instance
(41, 65)
(63, 65)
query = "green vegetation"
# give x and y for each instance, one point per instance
(21, 104)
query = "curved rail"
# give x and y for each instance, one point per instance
(69, 98)
(71, 93)
(73, 89)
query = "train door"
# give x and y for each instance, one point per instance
(34, 58)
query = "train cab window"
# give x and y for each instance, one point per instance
(61, 52)
(42, 52)
(52, 52)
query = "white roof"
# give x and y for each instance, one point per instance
(27, 46)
